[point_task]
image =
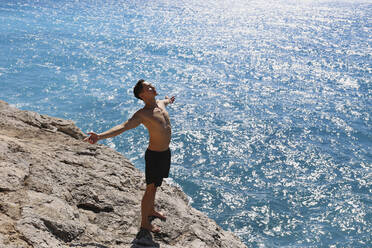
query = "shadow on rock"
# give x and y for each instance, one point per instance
(144, 240)
(88, 245)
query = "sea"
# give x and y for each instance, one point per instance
(272, 129)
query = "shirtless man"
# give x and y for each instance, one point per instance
(156, 119)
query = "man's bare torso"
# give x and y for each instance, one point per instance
(157, 122)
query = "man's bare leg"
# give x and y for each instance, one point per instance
(155, 213)
(147, 207)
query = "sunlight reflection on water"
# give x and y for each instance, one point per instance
(271, 124)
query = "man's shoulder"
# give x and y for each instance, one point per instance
(142, 112)
(139, 112)
(161, 104)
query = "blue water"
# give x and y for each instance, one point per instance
(272, 130)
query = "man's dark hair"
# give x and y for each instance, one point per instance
(138, 88)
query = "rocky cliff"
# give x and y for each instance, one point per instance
(58, 191)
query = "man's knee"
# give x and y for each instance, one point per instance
(150, 188)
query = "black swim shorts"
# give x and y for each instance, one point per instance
(157, 166)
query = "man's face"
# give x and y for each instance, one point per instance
(148, 89)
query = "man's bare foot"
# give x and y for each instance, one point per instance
(158, 215)
(155, 229)
(152, 228)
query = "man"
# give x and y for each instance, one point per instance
(156, 119)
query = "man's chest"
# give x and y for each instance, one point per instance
(157, 116)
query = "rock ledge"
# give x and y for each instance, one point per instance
(57, 191)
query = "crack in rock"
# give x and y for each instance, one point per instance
(64, 232)
(94, 208)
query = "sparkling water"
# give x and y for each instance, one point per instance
(272, 127)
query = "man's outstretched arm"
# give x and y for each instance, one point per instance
(168, 100)
(133, 122)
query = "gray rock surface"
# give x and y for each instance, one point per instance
(58, 191)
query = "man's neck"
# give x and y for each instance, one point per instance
(150, 103)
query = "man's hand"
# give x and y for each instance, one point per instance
(93, 138)
(170, 100)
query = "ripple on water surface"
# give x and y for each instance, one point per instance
(271, 124)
